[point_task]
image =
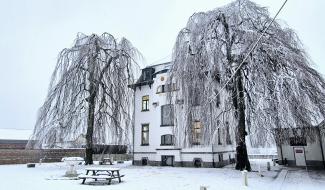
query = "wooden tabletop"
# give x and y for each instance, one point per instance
(102, 169)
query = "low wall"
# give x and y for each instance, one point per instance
(262, 156)
(16, 156)
(115, 157)
(13, 144)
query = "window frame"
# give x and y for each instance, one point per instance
(146, 101)
(220, 157)
(162, 123)
(197, 162)
(219, 136)
(166, 88)
(196, 99)
(163, 140)
(144, 160)
(160, 89)
(228, 137)
(297, 141)
(196, 139)
(142, 134)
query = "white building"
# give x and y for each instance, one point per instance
(302, 150)
(153, 139)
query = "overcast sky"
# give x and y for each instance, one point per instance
(33, 32)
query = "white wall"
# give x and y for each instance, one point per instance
(153, 118)
(312, 151)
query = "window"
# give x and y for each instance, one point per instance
(167, 160)
(145, 134)
(219, 137)
(218, 100)
(298, 141)
(220, 157)
(161, 89)
(166, 88)
(167, 115)
(228, 139)
(229, 157)
(196, 97)
(196, 133)
(167, 140)
(197, 162)
(144, 161)
(145, 103)
(170, 87)
(147, 74)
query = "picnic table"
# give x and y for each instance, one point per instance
(101, 173)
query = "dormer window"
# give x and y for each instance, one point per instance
(147, 74)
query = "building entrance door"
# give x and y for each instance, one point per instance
(167, 160)
(300, 156)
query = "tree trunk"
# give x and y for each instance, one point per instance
(90, 130)
(239, 103)
(242, 161)
(91, 108)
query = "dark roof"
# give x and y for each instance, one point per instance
(147, 76)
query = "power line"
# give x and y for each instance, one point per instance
(254, 46)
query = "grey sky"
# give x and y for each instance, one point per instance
(33, 32)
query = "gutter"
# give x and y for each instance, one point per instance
(321, 145)
(133, 128)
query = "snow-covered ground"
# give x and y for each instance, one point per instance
(47, 176)
(300, 179)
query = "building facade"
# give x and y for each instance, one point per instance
(295, 149)
(153, 138)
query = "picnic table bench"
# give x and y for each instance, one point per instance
(101, 173)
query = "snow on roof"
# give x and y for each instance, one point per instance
(158, 64)
(15, 134)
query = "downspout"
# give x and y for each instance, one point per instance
(281, 154)
(133, 124)
(321, 145)
(213, 164)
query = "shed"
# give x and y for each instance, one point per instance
(302, 147)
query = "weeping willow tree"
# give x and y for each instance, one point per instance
(274, 88)
(88, 94)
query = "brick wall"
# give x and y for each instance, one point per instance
(16, 156)
(13, 144)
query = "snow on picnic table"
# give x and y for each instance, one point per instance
(17, 177)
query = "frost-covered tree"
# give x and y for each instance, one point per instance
(88, 94)
(274, 88)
